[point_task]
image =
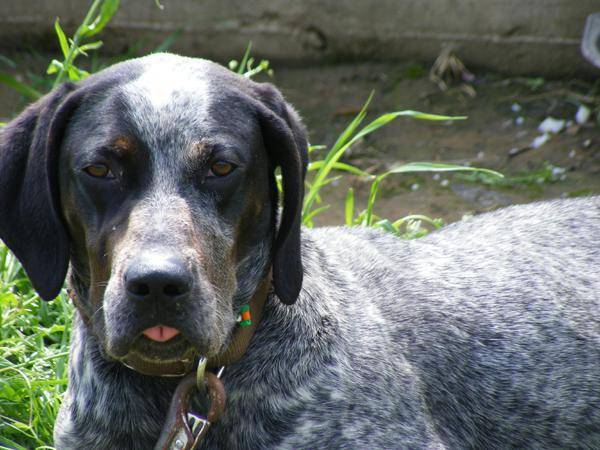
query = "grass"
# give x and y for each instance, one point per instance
(34, 335)
(34, 340)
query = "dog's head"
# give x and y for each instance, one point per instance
(155, 178)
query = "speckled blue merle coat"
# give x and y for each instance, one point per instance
(485, 334)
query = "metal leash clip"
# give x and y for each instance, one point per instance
(198, 400)
(197, 422)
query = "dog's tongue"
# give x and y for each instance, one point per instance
(161, 333)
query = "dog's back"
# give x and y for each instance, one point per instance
(495, 322)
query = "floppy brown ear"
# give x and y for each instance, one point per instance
(285, 141)
(30, 218)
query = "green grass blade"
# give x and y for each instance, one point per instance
(349, 207)
(107, 10)
(54, 67)
(417, 167)
(9, 62)
(349, 136)
(327, 181)
(10, 445)
(426, 116)
(19, 86)
(241, 69)
(368, 218)
(317, 165)
(352, 126)
(91, 46)
(439, 167)
(435, 222)
(307, 221)
(62, 38)
(335, 153)
(386, 225)
(315, 148)
(387, 118)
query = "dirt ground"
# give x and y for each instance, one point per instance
(503, 119)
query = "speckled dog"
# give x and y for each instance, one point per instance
(155, 180)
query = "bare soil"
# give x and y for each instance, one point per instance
(329, 97)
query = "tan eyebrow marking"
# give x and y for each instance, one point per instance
(200, 147)
(200, 151)
(124, 145)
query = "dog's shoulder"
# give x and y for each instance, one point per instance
(557, 229)
(541, 259)
(562, 217)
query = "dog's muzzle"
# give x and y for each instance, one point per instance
(174, 358)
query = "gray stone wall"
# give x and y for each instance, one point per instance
(533, 37)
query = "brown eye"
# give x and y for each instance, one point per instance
(98, 171)
(221, 168)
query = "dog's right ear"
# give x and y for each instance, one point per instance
(31, 223)
(286, 145)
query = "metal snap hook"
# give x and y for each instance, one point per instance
(200, 382)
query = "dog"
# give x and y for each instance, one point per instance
(151, 187)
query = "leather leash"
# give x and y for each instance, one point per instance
(186, 426)
(199, 399)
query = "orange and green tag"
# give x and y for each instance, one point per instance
(245, 316)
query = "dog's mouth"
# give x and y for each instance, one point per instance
(161, 351)
(160, 333)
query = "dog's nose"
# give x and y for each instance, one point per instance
(157, 275)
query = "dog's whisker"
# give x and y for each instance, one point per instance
(98, 310)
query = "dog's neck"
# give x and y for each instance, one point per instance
(78, 289)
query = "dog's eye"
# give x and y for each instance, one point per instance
(98, 171)
(221, 168)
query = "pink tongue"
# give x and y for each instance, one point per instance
(161, 333)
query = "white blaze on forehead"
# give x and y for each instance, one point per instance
(163, 78)
(169, 102)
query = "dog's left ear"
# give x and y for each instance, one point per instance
(30, 215)
(285, 140)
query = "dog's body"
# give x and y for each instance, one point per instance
(485, 334)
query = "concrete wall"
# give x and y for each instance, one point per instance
(535, 37)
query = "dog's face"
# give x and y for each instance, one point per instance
(158, 185)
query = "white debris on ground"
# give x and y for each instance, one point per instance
(540, 140)
(548, 127)
(516, 108)
(583, 114)
(559, 173)
(552, 125)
